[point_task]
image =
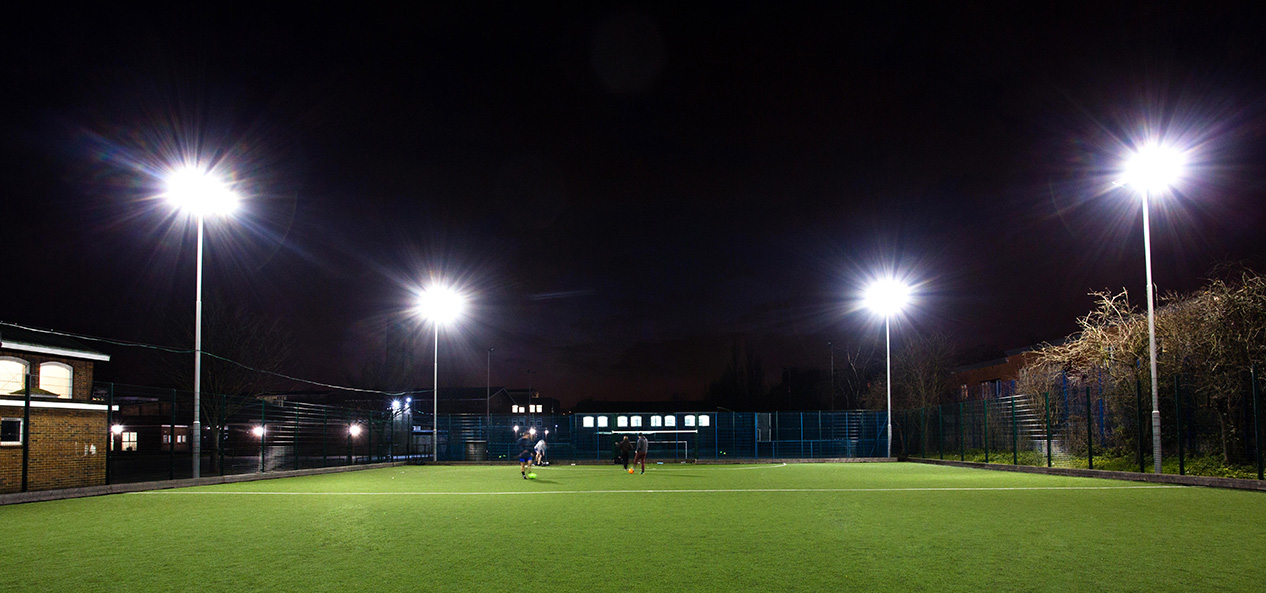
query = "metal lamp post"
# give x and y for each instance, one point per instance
(887, 297)
(198, 193)
(440, 304)
(1152, 168)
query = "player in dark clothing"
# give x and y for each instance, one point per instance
(642, 447)
(625, 447)
(525, 454)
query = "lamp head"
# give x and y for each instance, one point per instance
(440, 304)
(1153, 167)
(887, 296)
(199, 192)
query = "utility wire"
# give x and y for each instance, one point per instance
(117, 342)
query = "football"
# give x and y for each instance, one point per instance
(532, 476)
(630, 470)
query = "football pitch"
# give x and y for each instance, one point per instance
(760, 527)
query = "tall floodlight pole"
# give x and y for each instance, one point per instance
(1153, 168)
(831, 347)
(440, 304)
(488, 395)
(886, 297)
(198, 193)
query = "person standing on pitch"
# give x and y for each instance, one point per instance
(625, 447)
(642, 446)
(540, 451)
(525, 454)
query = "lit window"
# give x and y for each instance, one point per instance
(516, 409)
(10, 431)
(587, 422)
(536, 408)
(602, 421)
(622, 421)
(670, 421)
(129, 441)
(657, 421)
(690, 420)
(637, 421)
(12, 371)
(704, 420)
(55, 377)
(166, 439)
(181, 438)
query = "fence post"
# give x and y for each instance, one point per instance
(1178, 420)
(940, 431)
(923, 432)
(1090, 433)
(171, 440)
(263, 434)
(224, 428)
(109, 433)
(985, 405)
(1047, 397)
(296, 438)
(1015, 435)
(325, 458)
(1138, 407)
(962, 450)
(1257, 427)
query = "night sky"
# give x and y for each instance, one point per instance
(623, 192)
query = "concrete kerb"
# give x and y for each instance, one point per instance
(65, 493)
(1210, 482)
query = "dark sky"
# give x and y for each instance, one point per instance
(624, 192)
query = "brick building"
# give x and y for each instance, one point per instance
(58, 441)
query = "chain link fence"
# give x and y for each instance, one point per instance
(1090, 421)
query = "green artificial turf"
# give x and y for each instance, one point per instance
(811, 527)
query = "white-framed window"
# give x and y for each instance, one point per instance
(536, 408)
(602, 422)
(56, 377)
(657, 421)
(12, 373)
(10, 431)
(635, 421)
(516, 410)
(587, 422)
(670, 421)
(129, 441)
(705, 420)
(690, 420)
(621, 421)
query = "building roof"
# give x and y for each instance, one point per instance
(22, 339)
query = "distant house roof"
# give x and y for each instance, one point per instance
(591, 406)
(25, 340)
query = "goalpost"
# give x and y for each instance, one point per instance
(662, 448)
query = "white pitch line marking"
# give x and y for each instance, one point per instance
(673, 491)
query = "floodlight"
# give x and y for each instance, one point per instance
(1154, 167)
(887, 296)
(354, 430)
(197, 191)
(258, 431)
(441, 304)
(117, 429)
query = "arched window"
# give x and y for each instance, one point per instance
(602, 421)
(690, 420)
(636, 421)
(12, 371)
(670, 421)
(704, 420)
(56, 377)
(622, 421)
(587, 421)
(656, 421)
